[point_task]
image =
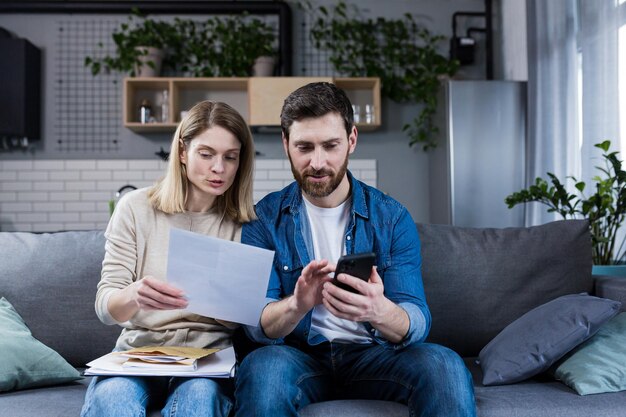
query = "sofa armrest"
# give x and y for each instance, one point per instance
(610, 287)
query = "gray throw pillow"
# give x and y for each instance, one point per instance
(532, 343)
(25, 362)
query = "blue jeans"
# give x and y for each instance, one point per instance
(122, 396)
(279, 380)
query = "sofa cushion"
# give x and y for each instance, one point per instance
(51, 280)
(540, 397)
(599, 364)
(532, 343)
(478, 281)
(25, 362)
(356, 408)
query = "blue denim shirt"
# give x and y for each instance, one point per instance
(378, 224)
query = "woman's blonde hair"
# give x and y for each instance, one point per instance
(169, 194)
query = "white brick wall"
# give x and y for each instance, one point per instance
(53, 195)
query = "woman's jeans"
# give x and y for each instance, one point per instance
(126, 396)
(279, 380)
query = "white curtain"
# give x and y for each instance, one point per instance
(553, 128)
(573, 89)
(598, 45)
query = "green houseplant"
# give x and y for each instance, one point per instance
(400, 52)
(226, 46)
(136, 44)
(218, 46)
(605, 207)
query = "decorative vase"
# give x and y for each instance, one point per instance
(611, 270)
(263, 66)
(149, 54)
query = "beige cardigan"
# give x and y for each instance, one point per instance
(136, 246)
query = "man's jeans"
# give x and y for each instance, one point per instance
(279, 380)
(131, 396)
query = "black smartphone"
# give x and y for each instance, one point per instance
(358, 265)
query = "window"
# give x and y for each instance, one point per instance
(622, 72)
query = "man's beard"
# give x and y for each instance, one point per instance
(319, 189)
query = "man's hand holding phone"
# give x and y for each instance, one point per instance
(358, 265)
(367, 302)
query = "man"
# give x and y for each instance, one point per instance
(325, 342)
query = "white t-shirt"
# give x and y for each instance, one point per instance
(328, 228)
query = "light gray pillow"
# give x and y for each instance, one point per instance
(532, 343)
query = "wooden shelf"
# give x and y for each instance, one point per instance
(363, 92)
(267, 95)
(258, 99)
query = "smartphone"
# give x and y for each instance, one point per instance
(358, 265)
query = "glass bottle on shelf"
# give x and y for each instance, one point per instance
(145, 111)
(165, 107)
(370, 115)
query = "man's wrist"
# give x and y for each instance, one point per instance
(383, 313)
(294, 308)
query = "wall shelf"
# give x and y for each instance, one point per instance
(258, 99)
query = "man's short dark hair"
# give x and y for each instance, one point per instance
(316, 100)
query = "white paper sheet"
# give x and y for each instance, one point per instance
(221, 279)
(218, 365)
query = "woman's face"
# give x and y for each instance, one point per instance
(212, 159)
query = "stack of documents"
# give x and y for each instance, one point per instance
(165, 357)
(166, 361)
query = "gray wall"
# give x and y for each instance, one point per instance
(402, 171)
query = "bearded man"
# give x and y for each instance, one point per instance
(324, 342)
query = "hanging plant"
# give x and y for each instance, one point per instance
(400, 52)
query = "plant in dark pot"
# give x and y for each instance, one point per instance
(605, 207)
(139, 47)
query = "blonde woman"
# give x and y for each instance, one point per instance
(207, 189)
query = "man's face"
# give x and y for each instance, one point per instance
(318, 150)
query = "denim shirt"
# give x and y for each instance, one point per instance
(378, 224)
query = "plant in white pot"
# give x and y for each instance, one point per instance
(241, 40)
(139, 47)
(605, 207)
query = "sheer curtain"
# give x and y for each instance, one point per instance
(598, 46)
(553, 128)
(573, 88)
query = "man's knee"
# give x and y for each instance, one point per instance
(438, 363)
(277, 359)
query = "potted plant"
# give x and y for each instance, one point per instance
(241, 40)
(193, 49)
(605, 207)
(221, 46)
(399, 51)
(139, 47)
(260, 44)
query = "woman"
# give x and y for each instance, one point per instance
(207, 189)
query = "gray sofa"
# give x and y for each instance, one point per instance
(477, 281)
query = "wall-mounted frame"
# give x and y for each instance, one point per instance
(279, 9)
